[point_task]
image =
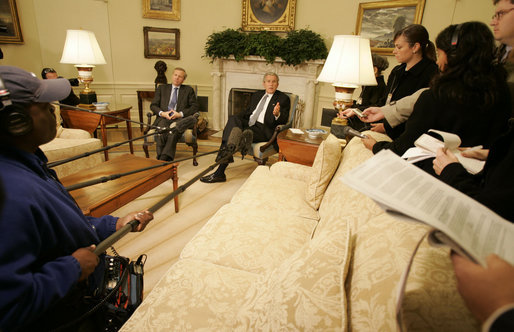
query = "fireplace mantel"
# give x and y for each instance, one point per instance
(248, 73)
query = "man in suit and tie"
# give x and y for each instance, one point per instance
(172, 103)
(268, 108)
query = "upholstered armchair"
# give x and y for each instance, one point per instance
(261, 151)
(239, 98)
(189, 137)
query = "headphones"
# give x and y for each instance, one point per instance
(455, 38)
(14, 118)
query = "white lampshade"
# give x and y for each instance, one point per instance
(81, 47)
(349, 63)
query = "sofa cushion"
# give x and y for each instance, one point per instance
(292, 171)
(352, 205)
(62, 148)
(273, 194)
(381, 250)
(249, 238)
(304, 293)
(192, 295)
(325, 163)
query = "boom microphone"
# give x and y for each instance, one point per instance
(349, 131)
(234, 140)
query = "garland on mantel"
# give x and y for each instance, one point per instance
(295, 48)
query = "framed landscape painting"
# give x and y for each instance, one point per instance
(379, 21)
(162, 43)
(271, 15)
(10, 31)
(162, 9)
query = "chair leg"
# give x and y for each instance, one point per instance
(260, 161)
(195, 150)
(145, 148)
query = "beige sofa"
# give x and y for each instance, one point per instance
(71, 142)
(285, 254)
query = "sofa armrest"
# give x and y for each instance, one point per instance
(70, 133)
(291, 171)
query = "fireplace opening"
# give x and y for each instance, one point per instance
(239, 99)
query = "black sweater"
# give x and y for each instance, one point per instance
(471, 124)
(494, 186)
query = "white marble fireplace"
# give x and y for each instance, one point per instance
(248, 73)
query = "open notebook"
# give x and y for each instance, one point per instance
(426, 147)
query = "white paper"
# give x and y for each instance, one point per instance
(426, 147)
(296, 131)
(403, 187)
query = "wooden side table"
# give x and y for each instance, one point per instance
(90, 122)
(123, 111)
(141, 95)
(298, 148)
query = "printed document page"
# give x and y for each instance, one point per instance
(403, 187)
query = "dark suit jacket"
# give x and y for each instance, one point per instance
(269, 119)
(186, 102)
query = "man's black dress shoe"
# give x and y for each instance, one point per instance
(213, 178)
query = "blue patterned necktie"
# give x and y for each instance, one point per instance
(260, 107)
(173, 100)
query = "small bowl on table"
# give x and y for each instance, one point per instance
(101, 105)
(315, 133)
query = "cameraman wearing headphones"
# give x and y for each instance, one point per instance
(47, 263)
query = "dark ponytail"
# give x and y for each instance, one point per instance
(416, 33)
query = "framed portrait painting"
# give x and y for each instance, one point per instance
(10, 31)
(162, 43)
(271, 15)
(162, 9)
(379, 21)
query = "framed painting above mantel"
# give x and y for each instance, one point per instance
(162, 9)
(379, 21)
(270, 15)
(10, 31)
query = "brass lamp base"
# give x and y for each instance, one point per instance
(343, 97)
(88, 98)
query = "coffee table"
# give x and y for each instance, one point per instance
(104, 198)
(298, 148)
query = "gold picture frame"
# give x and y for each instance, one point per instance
(270, 15)
(162, 9)
(10, 31)
(378, 21)
(162, 43)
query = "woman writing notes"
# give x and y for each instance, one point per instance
(470, 98)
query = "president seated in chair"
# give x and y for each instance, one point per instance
(172, 103)
(268, 108)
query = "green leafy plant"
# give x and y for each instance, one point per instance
(226, 43)
(265, 44)
(302, 45)
(295, 48)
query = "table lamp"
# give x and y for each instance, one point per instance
(82, 50)
(347, 67)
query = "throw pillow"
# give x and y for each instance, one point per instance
(325, 164)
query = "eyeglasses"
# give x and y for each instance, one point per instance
(499, 14)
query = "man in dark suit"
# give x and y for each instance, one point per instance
(172, 103)
(268, 108)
